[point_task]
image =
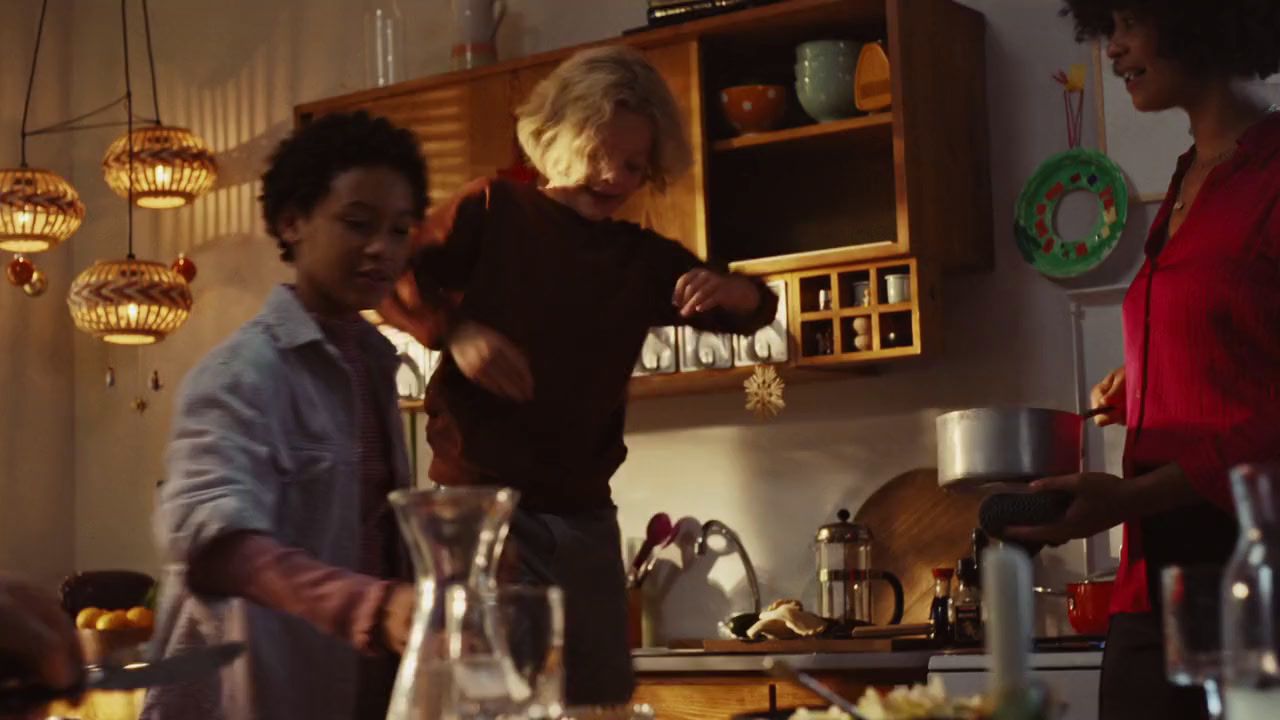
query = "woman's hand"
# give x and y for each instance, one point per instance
(1101, 502)
(38, 634)
(1109, 393)
(701, 290)
(491, 361)
(397, 617)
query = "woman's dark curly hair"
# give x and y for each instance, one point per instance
(304, 165)
(1237, 38)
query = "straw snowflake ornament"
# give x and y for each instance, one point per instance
(764, 392)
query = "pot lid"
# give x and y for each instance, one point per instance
(843, 531)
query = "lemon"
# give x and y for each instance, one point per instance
(87, 618)
(114, 620)
(140, 617)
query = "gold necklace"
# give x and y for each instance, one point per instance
(1196, 164)
(1209, 162)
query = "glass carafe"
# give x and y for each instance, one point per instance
(1251, 599)
(456, 664)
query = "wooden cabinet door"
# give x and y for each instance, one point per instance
(466, 129)
(524, 79)
(680, 213)
(683, 697)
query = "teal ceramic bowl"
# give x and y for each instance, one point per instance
(827, 48)
(827, 97)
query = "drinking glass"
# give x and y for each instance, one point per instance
(1192, 619)
(531, 622)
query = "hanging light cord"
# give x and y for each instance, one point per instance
(75, 123)
(128, 107)
(151, 60)
(31, 79)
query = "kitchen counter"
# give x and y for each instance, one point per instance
(695, 684)
(698, 685)
(665, 660)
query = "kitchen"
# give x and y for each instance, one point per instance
(237, 73)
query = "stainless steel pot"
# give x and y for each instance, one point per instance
(1008, 444)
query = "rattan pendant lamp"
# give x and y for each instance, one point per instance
(38, 208)
(131, 301)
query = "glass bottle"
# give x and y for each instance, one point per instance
(1250, 605)
(966, 605)
(940, 610)
(456, 664)
(383, 43)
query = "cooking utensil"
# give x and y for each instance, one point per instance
(782, 670)
(1009, 444)
(653, 555)
(658, 530)
(1088, 604)
(17, 698)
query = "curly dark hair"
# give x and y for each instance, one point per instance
(1237, 38)
(304, 165)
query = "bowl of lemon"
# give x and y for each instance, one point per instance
(114, 635)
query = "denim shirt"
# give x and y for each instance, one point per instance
(263, 439)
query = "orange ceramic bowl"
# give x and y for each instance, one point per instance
(754, 108)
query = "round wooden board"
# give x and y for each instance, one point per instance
(917, 526)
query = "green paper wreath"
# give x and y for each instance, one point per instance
(1035, 228)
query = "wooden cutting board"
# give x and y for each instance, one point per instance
(917, 526)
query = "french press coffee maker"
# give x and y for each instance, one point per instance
(845, 574)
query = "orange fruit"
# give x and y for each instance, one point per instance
(140, 617)
(87, 619)
(114, 620)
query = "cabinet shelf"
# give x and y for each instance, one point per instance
(881, 122)
(840, 199)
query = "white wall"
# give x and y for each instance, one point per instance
(37, 435)
(234, 70)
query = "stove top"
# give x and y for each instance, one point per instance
(1069, 643)
(1066, 643)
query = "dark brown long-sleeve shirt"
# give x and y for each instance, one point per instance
(578, 297)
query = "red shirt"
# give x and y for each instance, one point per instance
(1202, 366)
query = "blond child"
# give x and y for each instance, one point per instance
(542, 301)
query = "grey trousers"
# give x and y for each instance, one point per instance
(582, 554)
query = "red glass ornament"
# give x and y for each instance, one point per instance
(185, 267)
(19, 271)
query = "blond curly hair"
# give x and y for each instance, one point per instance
(558, 126)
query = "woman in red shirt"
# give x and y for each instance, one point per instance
(1200, 387)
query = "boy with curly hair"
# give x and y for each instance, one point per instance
(286, 440)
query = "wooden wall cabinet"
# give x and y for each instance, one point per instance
(906, 188)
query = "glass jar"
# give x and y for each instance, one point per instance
(966, 605)
(383, 43)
